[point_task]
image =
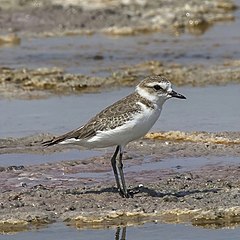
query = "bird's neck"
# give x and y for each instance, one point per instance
(150, 97)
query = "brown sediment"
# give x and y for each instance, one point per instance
(13, 226)
(205, 196)
(113, 17)
(228, 217)
(44, 82)
(199, 137)
(192, 75)
(9, 39)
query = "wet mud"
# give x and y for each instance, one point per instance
(45, 82)
(112, 17)
(205, 196)
(22, 19)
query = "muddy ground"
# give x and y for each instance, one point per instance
(206, 196)
(22, 19)
(112, 17)
(41, 83)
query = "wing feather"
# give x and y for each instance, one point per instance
(116, 114)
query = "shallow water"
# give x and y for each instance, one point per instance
(176, 164)
(208, 109)
(32, 159)
(147, 231)
(150, 163)
(98, 53)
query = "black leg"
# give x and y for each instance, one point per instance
(113, 161)
(124, 230)
(117, 234)
(120, 168)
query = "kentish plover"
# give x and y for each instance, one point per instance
(124, 121)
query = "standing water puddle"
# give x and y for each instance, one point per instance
(147, 231)
(213, 109)
(205, 109)
(96, 54)
(176, 164)
(33, 159)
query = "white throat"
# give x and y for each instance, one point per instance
(153, 98)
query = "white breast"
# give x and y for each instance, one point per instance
(134, 129)
(146, 119)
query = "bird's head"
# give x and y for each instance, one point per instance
(157, 89)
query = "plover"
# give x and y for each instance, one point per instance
(122, 122)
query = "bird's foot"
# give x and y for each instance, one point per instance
(125, 194)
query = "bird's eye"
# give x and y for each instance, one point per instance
(157, 87)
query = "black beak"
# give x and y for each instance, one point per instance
(176, 95)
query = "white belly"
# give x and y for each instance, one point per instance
(126, 133)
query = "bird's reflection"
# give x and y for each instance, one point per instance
(119, 235)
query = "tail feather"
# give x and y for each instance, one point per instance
(59, 139)
(53, 141)
(50, 142)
